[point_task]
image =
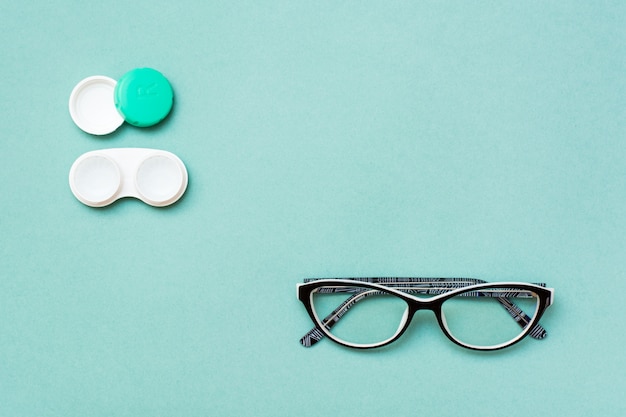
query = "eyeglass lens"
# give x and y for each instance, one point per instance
(489, 317)
(359, 315)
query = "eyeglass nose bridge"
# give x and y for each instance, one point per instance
(414, 307)
(417, 304)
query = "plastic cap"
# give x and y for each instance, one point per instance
(92, 107)
(143, 97)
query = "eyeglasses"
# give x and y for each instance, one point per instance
(373, 312)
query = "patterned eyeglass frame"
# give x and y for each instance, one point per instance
(441, 289)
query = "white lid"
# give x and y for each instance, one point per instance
(92, 105)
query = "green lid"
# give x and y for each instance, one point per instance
(143, 96)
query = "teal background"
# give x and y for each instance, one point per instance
(415, 138)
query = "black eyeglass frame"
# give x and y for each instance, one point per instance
(415, 304)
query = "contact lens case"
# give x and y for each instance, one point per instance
(142, 97)
(98, 178)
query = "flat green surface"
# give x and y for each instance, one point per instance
(322, 139)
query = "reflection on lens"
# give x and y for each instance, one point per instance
(489, 317)
(359, 315)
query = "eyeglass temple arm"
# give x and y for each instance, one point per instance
(315, 334)
(537, 332)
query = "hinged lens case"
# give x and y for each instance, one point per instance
(142, 97)
(156, 177)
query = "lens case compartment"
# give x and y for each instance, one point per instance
(156, 177)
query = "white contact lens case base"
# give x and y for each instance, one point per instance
(156, 177)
